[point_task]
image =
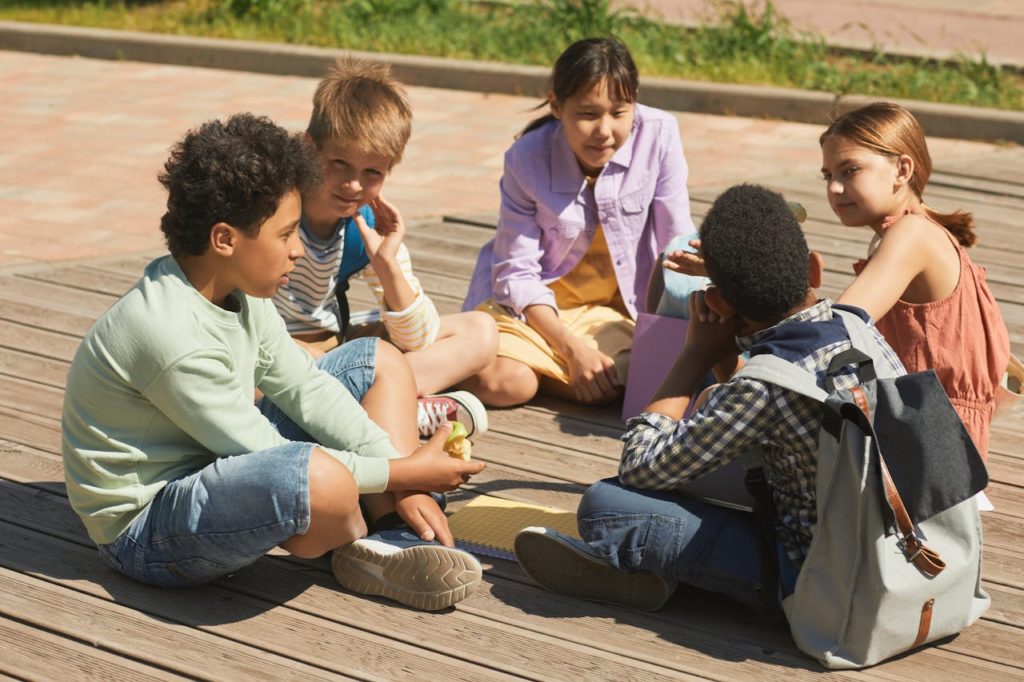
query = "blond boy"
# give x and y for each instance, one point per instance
(360, 124)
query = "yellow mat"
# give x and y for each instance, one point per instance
(488, 525)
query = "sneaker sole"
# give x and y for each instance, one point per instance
(471, 404)
(427, 577)
(561, 569)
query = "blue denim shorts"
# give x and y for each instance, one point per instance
(218, 519)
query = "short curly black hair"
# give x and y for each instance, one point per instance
(755, 252)
(235, 172)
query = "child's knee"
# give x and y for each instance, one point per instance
(513, 381)
(390, 360)
(599, 498)
(387, 353)
(332, 489)
(485, 330)
(483, 336)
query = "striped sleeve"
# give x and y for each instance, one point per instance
(307, 302)
(417, 326)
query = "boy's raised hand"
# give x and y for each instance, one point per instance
(685, 262)
(382, 243)
(430, 468)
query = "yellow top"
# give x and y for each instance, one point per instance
(593, 280)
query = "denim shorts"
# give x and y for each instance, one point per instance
(218, 519)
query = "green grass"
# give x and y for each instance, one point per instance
(747, 44)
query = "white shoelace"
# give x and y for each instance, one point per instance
(429, 416)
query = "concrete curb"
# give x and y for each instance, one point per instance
(943, 120)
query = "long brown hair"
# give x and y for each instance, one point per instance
(891, 130)
(586, 63)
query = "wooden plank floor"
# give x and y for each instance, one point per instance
(64, 615)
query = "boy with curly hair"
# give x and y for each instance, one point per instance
(177, 475)
(360, 124)
(643, 534)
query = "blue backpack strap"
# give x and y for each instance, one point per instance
(353, 259)
(353, 254)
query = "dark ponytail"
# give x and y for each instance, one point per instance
(583, 65)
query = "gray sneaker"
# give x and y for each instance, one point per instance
(568, 566)
(397, 565)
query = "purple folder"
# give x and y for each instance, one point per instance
(657, 342)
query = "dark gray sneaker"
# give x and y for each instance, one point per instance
(568, 566)
(398, 565)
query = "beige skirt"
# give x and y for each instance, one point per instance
(600, 327)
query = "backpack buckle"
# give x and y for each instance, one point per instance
(911, 546)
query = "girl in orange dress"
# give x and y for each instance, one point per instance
(929, 299)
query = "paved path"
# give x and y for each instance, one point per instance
(927, 27)
(81, 142)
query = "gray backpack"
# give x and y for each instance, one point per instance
(895, 560)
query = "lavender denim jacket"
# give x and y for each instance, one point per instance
(549, 216)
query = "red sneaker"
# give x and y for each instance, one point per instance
(460, 406)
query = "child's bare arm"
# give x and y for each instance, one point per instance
(904, 252)
(709, 345)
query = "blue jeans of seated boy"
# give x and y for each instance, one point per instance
(231, 512)
(684, 539)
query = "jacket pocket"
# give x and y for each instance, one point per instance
(636, 202)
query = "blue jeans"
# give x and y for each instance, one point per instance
(680, 538)
(225, 516)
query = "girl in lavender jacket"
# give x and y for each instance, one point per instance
(591, 194)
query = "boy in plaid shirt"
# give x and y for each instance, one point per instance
(643, 536)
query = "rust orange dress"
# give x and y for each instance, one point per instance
(962, 337)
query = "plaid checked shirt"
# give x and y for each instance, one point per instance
(661, 453)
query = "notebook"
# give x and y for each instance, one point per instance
(488, 526)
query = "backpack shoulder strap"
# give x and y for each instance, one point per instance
(353, 252)
(774, 370)
(353, 259)
(864, 340)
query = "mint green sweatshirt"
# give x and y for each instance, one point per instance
(163, 384)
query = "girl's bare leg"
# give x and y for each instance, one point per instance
(503, 383)
(466, 344)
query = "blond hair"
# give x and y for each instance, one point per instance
(360, 103)
(891, 130)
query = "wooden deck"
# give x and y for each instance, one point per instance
(64, 615)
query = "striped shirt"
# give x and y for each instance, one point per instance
(307, 303)
(661, 453)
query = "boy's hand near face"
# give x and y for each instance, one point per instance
(382, 243)
(709, 345)
(711, 338)
(382, 246)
